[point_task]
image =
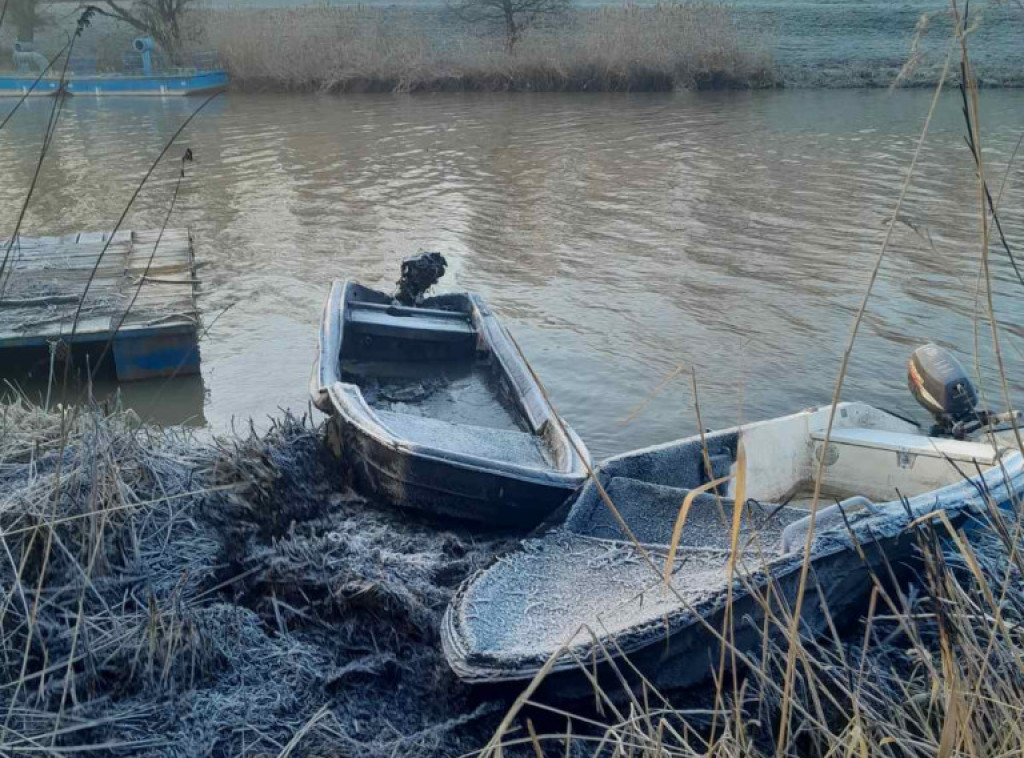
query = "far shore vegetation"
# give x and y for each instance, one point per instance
(691, 45)
(468, 45)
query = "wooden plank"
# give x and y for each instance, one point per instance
(64, 243)
(150, 235)
(49, 276)
(60, 328)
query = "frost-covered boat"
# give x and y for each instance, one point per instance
(880, 474)
(435, 408)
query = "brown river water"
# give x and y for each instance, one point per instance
(619, 236)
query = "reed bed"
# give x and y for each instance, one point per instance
(662, 47)
(162, 596)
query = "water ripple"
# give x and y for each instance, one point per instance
(619, 236)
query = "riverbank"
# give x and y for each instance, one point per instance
(686, 45)
(323, 48)
(179, 598)
(691, 45)
(166, 596)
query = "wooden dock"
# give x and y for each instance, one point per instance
(142, 300)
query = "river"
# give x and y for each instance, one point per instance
(618, 236)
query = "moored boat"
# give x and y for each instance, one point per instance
(148, 73)
(15, 85)
(183, 82)
(585, 593)
(435, 408)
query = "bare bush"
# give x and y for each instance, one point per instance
(163, 20)
(514, 16)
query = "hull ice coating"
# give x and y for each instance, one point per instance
(509, 620)
(434, 409)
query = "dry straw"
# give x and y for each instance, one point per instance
(339, 49)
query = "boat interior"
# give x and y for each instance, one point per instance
(432, 376)
(872, 458)
(588, 571)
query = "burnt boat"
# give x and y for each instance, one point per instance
(435, 409)
(584, 595)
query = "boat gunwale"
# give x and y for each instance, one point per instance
(369, 426)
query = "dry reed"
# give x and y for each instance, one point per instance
(163, 596)
(662, 47)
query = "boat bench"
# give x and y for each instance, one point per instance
(651, 511)
(412, 324)
(913, 444)
(506, 445)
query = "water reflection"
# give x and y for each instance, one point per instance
(164, 402)
(618, 236)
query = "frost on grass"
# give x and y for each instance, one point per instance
(161, 596)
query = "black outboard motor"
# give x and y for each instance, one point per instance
(939, 383)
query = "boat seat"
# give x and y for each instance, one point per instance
(651, 511)
(913, 444)
(505, 445)
(432, 327)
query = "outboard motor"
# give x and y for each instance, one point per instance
(419, 273)
(939, 383)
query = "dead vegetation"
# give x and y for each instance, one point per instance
(163, 597)
(667, 46)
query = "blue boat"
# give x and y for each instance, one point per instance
(144, 73)
(183, 82)
(147, 73)
(17, 86)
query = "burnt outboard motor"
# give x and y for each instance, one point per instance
(939, 383)
(419, 273)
